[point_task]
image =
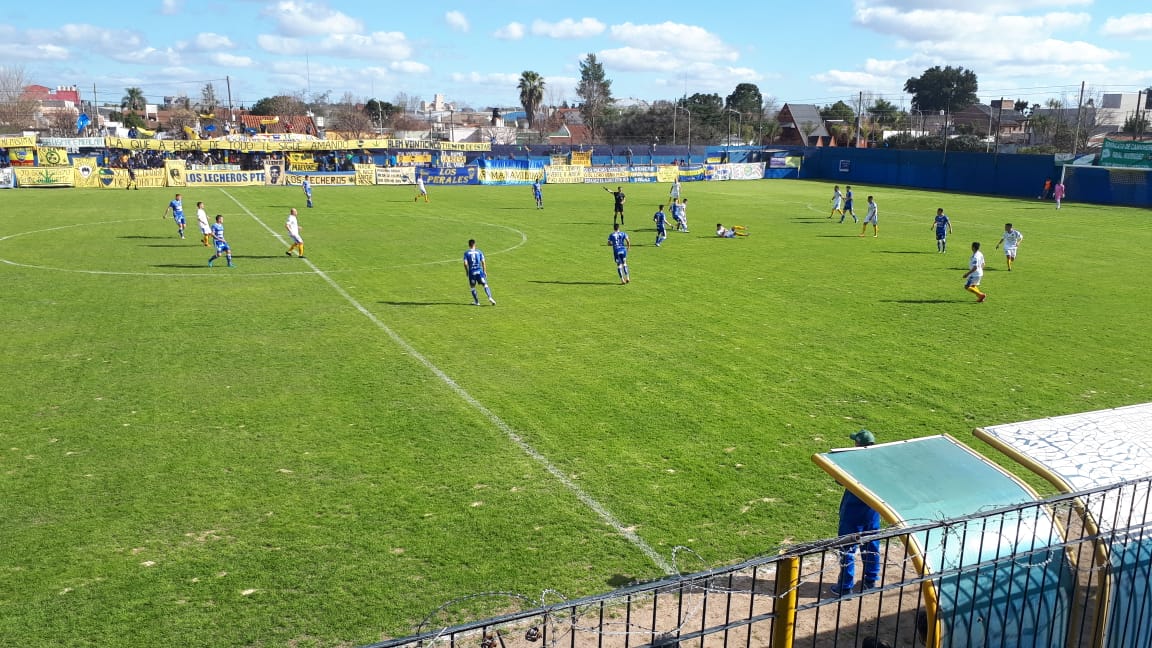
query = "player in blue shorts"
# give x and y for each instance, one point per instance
(477, 272)
(943, 229)
(661, 221)
(221, 244)
(176, 206)
(620, 244)
(538, 194)
(848, 205)
(307, 185)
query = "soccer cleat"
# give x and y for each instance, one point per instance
(210, 262)
(287, 254)
(231, 265)
(303, 257)
(492, 301)
(981, 298)
(476, 303)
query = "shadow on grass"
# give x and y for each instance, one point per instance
(904, 252)
(427, 303)
(258, 256)
(924, 301)
(166, 245)
(574, 283)
(137, 236)
(180, 265)
(838, 235)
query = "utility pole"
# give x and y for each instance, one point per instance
(859, 109)
(231, 114)
(1079, 116)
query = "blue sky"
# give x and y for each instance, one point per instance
(473, 53)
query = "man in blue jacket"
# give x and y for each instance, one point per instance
(857, 518)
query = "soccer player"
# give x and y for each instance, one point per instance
(674, 192)
(678, 216)
(661, 221)
(131, 179)
(538, 194)
(307, 185)
(837, 203)
(1058, 193)
(620, 244)
(1011, 241)
(873, 217)
(176, 206)
(205, 226)
(221, 245)
(848, 205)
(293, 227)
(618, 205)
(684, 213)
(731, 232)
(421, 190)
(943, 229)
(975, 272)
(477, 272)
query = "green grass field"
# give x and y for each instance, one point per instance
(321, 452)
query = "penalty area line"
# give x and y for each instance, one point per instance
(604, 514)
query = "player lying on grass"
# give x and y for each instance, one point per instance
(731, 232)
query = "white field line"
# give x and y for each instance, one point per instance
(607, 516)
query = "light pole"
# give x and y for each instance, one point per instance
(451, 124)
(689, 130)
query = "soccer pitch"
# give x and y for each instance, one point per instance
(323, 451)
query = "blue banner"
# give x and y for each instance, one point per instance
(449, 176)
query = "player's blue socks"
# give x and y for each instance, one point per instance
(475, 297)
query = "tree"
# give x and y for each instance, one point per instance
(839, 110)
(346, 117)
(883, 112)
(531, 94)
(380, 112)
(596, 91)
(949, 89)
(1135, 124)
(133, 100)
(17, 110)
(62, 122)
(745, 99)
(278, 105)
(180, 118)
(208, 100)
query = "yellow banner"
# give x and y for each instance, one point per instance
(667, 173)
(582, 158)
(151, 178)
(301, 162)
(52, 156)
(414, 159)
(497, 176)
(564, 174)
(176, 170)
(13, 142)
(271, 145)
(322, 180)
(365, 174)
(85, 174)
(43, 176)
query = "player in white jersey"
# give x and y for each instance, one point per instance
(975, 272)
(872, 217)
(1011, 241)
(837, 202)
(205, 225)
(293, 227)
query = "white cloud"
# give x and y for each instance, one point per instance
(409, 67)
(631, 59)
(488, 79)
(224, 59)
(311, 18)
(171, 7)
(978, 6)
(1138, 26)
(21, 52)
(457, 21)
(568, 28)
(393, 46)
(208, 41)
(691, 42)
(511, 31)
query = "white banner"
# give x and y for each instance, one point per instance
(73, 144)
(7, 178)
(395, 175)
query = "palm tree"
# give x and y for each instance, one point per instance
(133, 100)
(531, 93)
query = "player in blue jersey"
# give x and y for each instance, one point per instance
(221, 245)
(176, 206)
(848, 205)
(538, 194)
(307, 185)
(678, 215)
(661, 221)
(620, 244)
(477, 272)
(943, 228)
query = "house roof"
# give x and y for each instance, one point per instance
(802, 114)
(298, 124)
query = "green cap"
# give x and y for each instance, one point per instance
(863, 437)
